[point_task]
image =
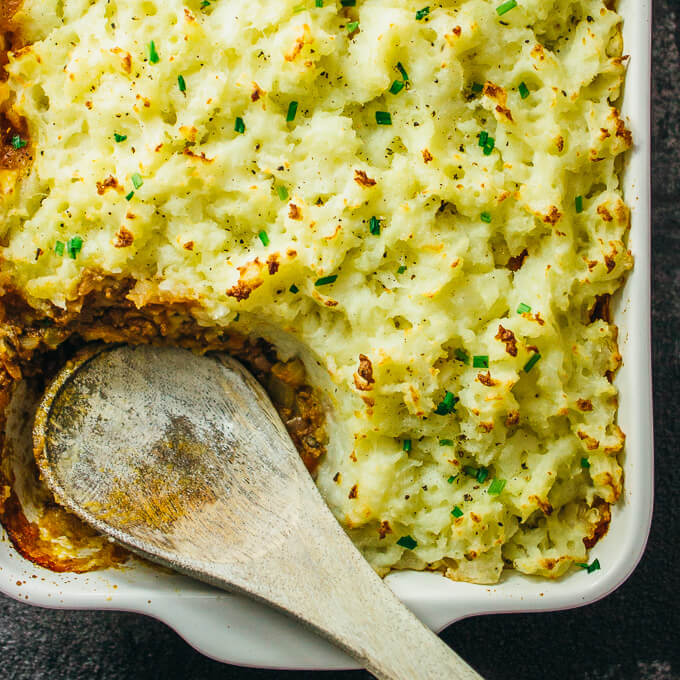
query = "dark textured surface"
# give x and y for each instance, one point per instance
(632, 634)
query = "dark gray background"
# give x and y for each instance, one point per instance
(631, 634)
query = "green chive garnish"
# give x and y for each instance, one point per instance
(263, 237)
(578, 204)
(446, 442)
(486, 217)
(374, 227)
(153, 54)
(457, 512)
(137, 180)
(182, 83)
(462, 355)
(447, 405)
(282, 192)
(532, 362)
(496, 486)
(402, 70)
(205, 4)
(585, 463)
(383, 118)
(18, 143)
(325, 280)
(319, 3)
(470, 471)
(406, 445)
(292, 111)
(294, 289)
(482, 475)
(590, 568)
(348, 3)
(239, 125)
(477, 87)
(74, 246)
(483, 136)
(352, 26)
(406, 541)
(452, 479)
(523, 309)
(59, 248)
(401, 269)
(488, 147)
(480, 361)
(506, 7)
(129, 196)
(422, 13)
(523, 90)
(397, 87)
(119, 138)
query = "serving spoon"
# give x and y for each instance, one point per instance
(184, 460)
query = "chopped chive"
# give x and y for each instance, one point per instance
(59, 248)
(74, 246)
(397, 86)
(477, 88)
(153, 54)
(18, 143)
(470, 471)
(578, 204)
(523, 309)
(482, 475)
(205, 3)
(348, 3)
(590, 568)
(447, 405)
(352, 26)
(483, 136)
(282, 192)
(325, 280)
(496, 487)
(401, 269)
(402, 70)
(452, 479)
(486, 217)
(129, 196)
(480, 361)
(585, 463)
(457, 512)
(406, 541)
(422, 13)
(374, 227)
(463, 356)
(119, 138)
(182, 83)
(239, 125)
(506, 7)
(294, 289)
(319, 3)
(264, 238)
(292, 111)
(532, 362)
(488, 147)
(406, 446)
(523, 90)
(446, 442)
(137, 180)
(383, 118)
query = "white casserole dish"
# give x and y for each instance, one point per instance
(232, 629)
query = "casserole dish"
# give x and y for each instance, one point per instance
(229, 628)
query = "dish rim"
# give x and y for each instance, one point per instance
(174, 599)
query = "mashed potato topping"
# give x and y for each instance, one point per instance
(423, 203)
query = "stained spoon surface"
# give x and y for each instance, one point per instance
(184, 460)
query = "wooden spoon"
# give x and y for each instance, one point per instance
(184, 460)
